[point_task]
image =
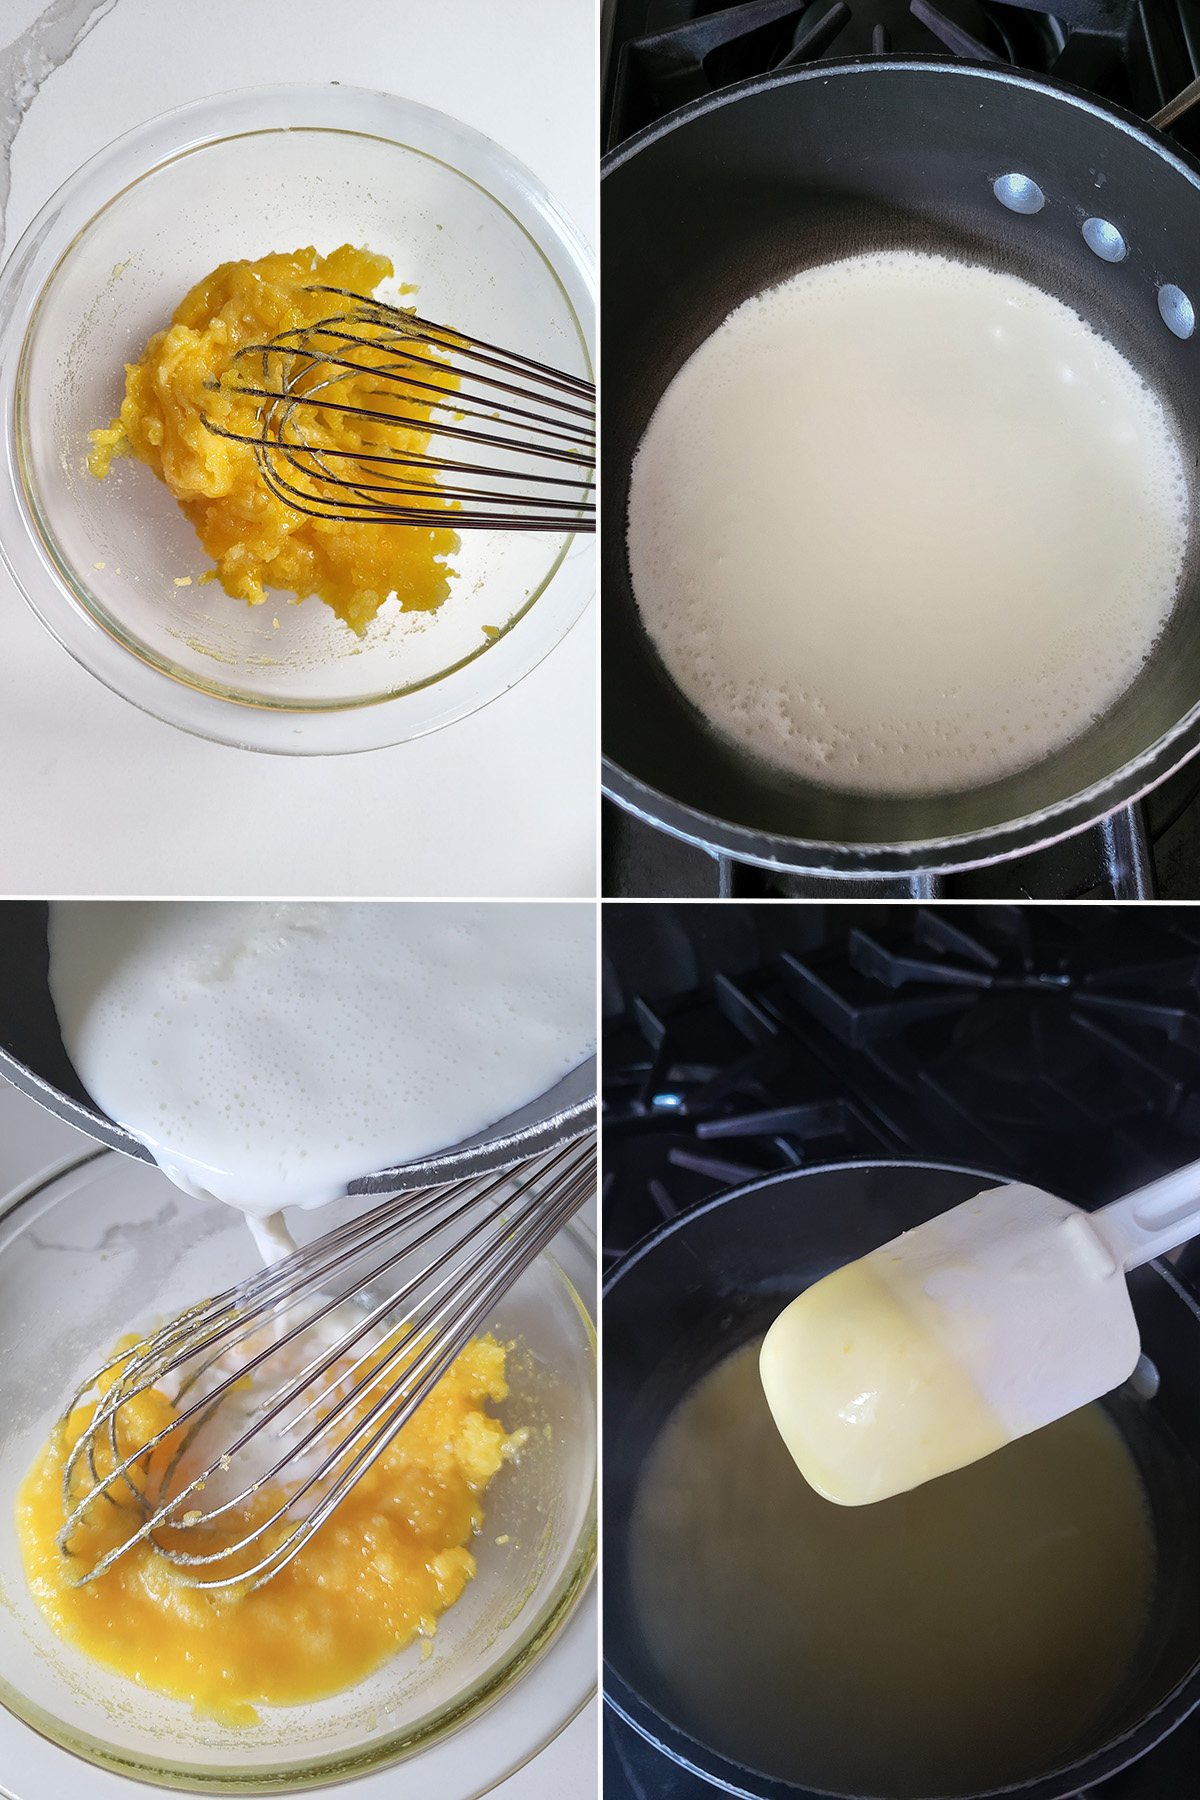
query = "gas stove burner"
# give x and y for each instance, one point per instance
(1061, 1046)
(672, 51)
(1057, 1045)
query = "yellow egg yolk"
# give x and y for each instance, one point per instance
(257, 539)
(376, 1575)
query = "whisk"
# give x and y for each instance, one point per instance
(406, 1286)
(530, 428)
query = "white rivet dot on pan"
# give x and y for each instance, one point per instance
(1178, 313)
(1104, 240)
(1019, 193)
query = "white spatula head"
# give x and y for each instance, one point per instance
(957, 1337)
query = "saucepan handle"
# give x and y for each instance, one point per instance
(1176, 108)
(1186, 1269)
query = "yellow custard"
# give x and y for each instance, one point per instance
(960, 1637)
(868, 1401)
(378, 1574)
(256, 539)
(982, 1324)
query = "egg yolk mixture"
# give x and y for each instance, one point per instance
(256, 539)
(376, 1575)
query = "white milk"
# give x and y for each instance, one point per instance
(269, 1054)
(903, 525)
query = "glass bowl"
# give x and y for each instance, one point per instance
(104, 265)
(110, 1246)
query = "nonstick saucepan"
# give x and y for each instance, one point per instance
(712, 1279)
(33, 1058)
(734, 193)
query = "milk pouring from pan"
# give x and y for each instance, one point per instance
(33, 1058)
(734, 193)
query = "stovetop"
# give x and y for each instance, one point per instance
(1055, 1045)
(658, 54)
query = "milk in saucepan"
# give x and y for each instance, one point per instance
(904, 525)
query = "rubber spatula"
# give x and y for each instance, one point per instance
(973, 1329)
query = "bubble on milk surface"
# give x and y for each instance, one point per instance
(766, 633)
(345, 1039)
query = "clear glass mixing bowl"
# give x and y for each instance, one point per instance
(104, 265)
(111, 1246)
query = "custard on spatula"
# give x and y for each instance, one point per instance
(971, 1330)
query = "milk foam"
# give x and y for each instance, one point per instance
(904, 525)
(268, 1054)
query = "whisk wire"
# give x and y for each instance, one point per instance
(515, 411)
(406, 324)
(277, 1403)
(405, 359)
(173, 1345)
(198, 1414)
(398, 1407)
(451, 1330)
(313, 398)
(494, 1234)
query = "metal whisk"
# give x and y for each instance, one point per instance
(406, 1286)
(529, 429)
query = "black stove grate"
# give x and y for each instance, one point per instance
(658, 54)
(667, 52)
(1056, 1045)
(1060, 1046)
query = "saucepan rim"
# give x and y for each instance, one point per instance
(675, 1742)
(939, 853)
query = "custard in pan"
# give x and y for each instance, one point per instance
(951, 1639)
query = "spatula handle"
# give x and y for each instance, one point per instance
(1154, 1219)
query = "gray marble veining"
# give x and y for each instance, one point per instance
(24, 66)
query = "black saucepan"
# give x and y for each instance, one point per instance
(713, 1278)
(736, 192)
(33, 1058)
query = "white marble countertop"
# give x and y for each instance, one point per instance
(98, 798)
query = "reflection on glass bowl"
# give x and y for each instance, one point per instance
(104, 265)
(110, 1247)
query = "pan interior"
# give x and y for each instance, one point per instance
(981, 1622)
(739, 197)
(703, 1292)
